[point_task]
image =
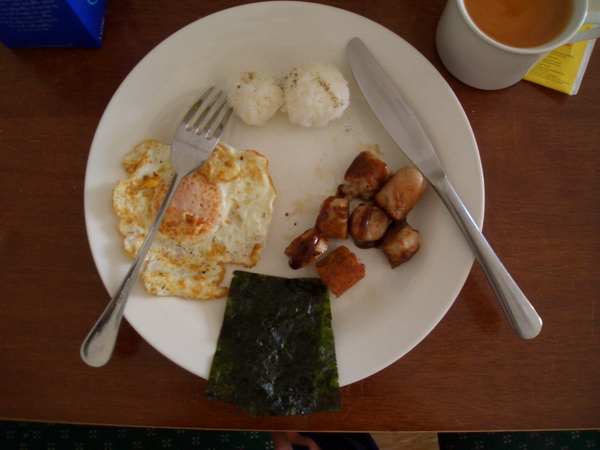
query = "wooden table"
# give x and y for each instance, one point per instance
(540, 154)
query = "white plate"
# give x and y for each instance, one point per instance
(389, 312)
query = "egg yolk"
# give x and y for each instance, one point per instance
(194, 212)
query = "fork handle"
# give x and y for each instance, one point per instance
(98, 346)
(520, 313)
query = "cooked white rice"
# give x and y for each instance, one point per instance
(315, 94)
(254, 97)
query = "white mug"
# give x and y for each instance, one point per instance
(481, 62)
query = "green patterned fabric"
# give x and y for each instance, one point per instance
(47, 436)
(547, 440)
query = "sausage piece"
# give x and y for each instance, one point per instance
(401, 192)
(332, 220)
(365, 176)
(340, 270)
(368, 224)
(306, 248)
(400, 243)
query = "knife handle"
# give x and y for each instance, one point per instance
(522, 316)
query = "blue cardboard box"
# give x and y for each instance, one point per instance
(52, 23)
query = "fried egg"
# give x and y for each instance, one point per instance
(220, 215)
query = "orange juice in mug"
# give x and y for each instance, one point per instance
(491, 44)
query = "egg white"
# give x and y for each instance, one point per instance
(188, 256)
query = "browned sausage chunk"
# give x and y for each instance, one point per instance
(368, 224)
(400, 243)
(364, 177)
(401, 192)
(332, 220)
(340, 270)
(306, 248)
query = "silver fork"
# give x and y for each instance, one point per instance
(193, 142)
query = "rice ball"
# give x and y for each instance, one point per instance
(254, 97)
(315, 94)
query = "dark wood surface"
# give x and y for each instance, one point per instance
(540, 154)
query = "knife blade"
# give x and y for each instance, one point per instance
(406, 131)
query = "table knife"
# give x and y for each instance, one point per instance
(404, 128)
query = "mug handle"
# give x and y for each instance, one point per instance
(592, 18)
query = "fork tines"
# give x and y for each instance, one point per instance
(211, 110)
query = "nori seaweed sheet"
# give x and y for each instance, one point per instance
(275, 354)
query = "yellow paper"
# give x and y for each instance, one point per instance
(563, 68)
